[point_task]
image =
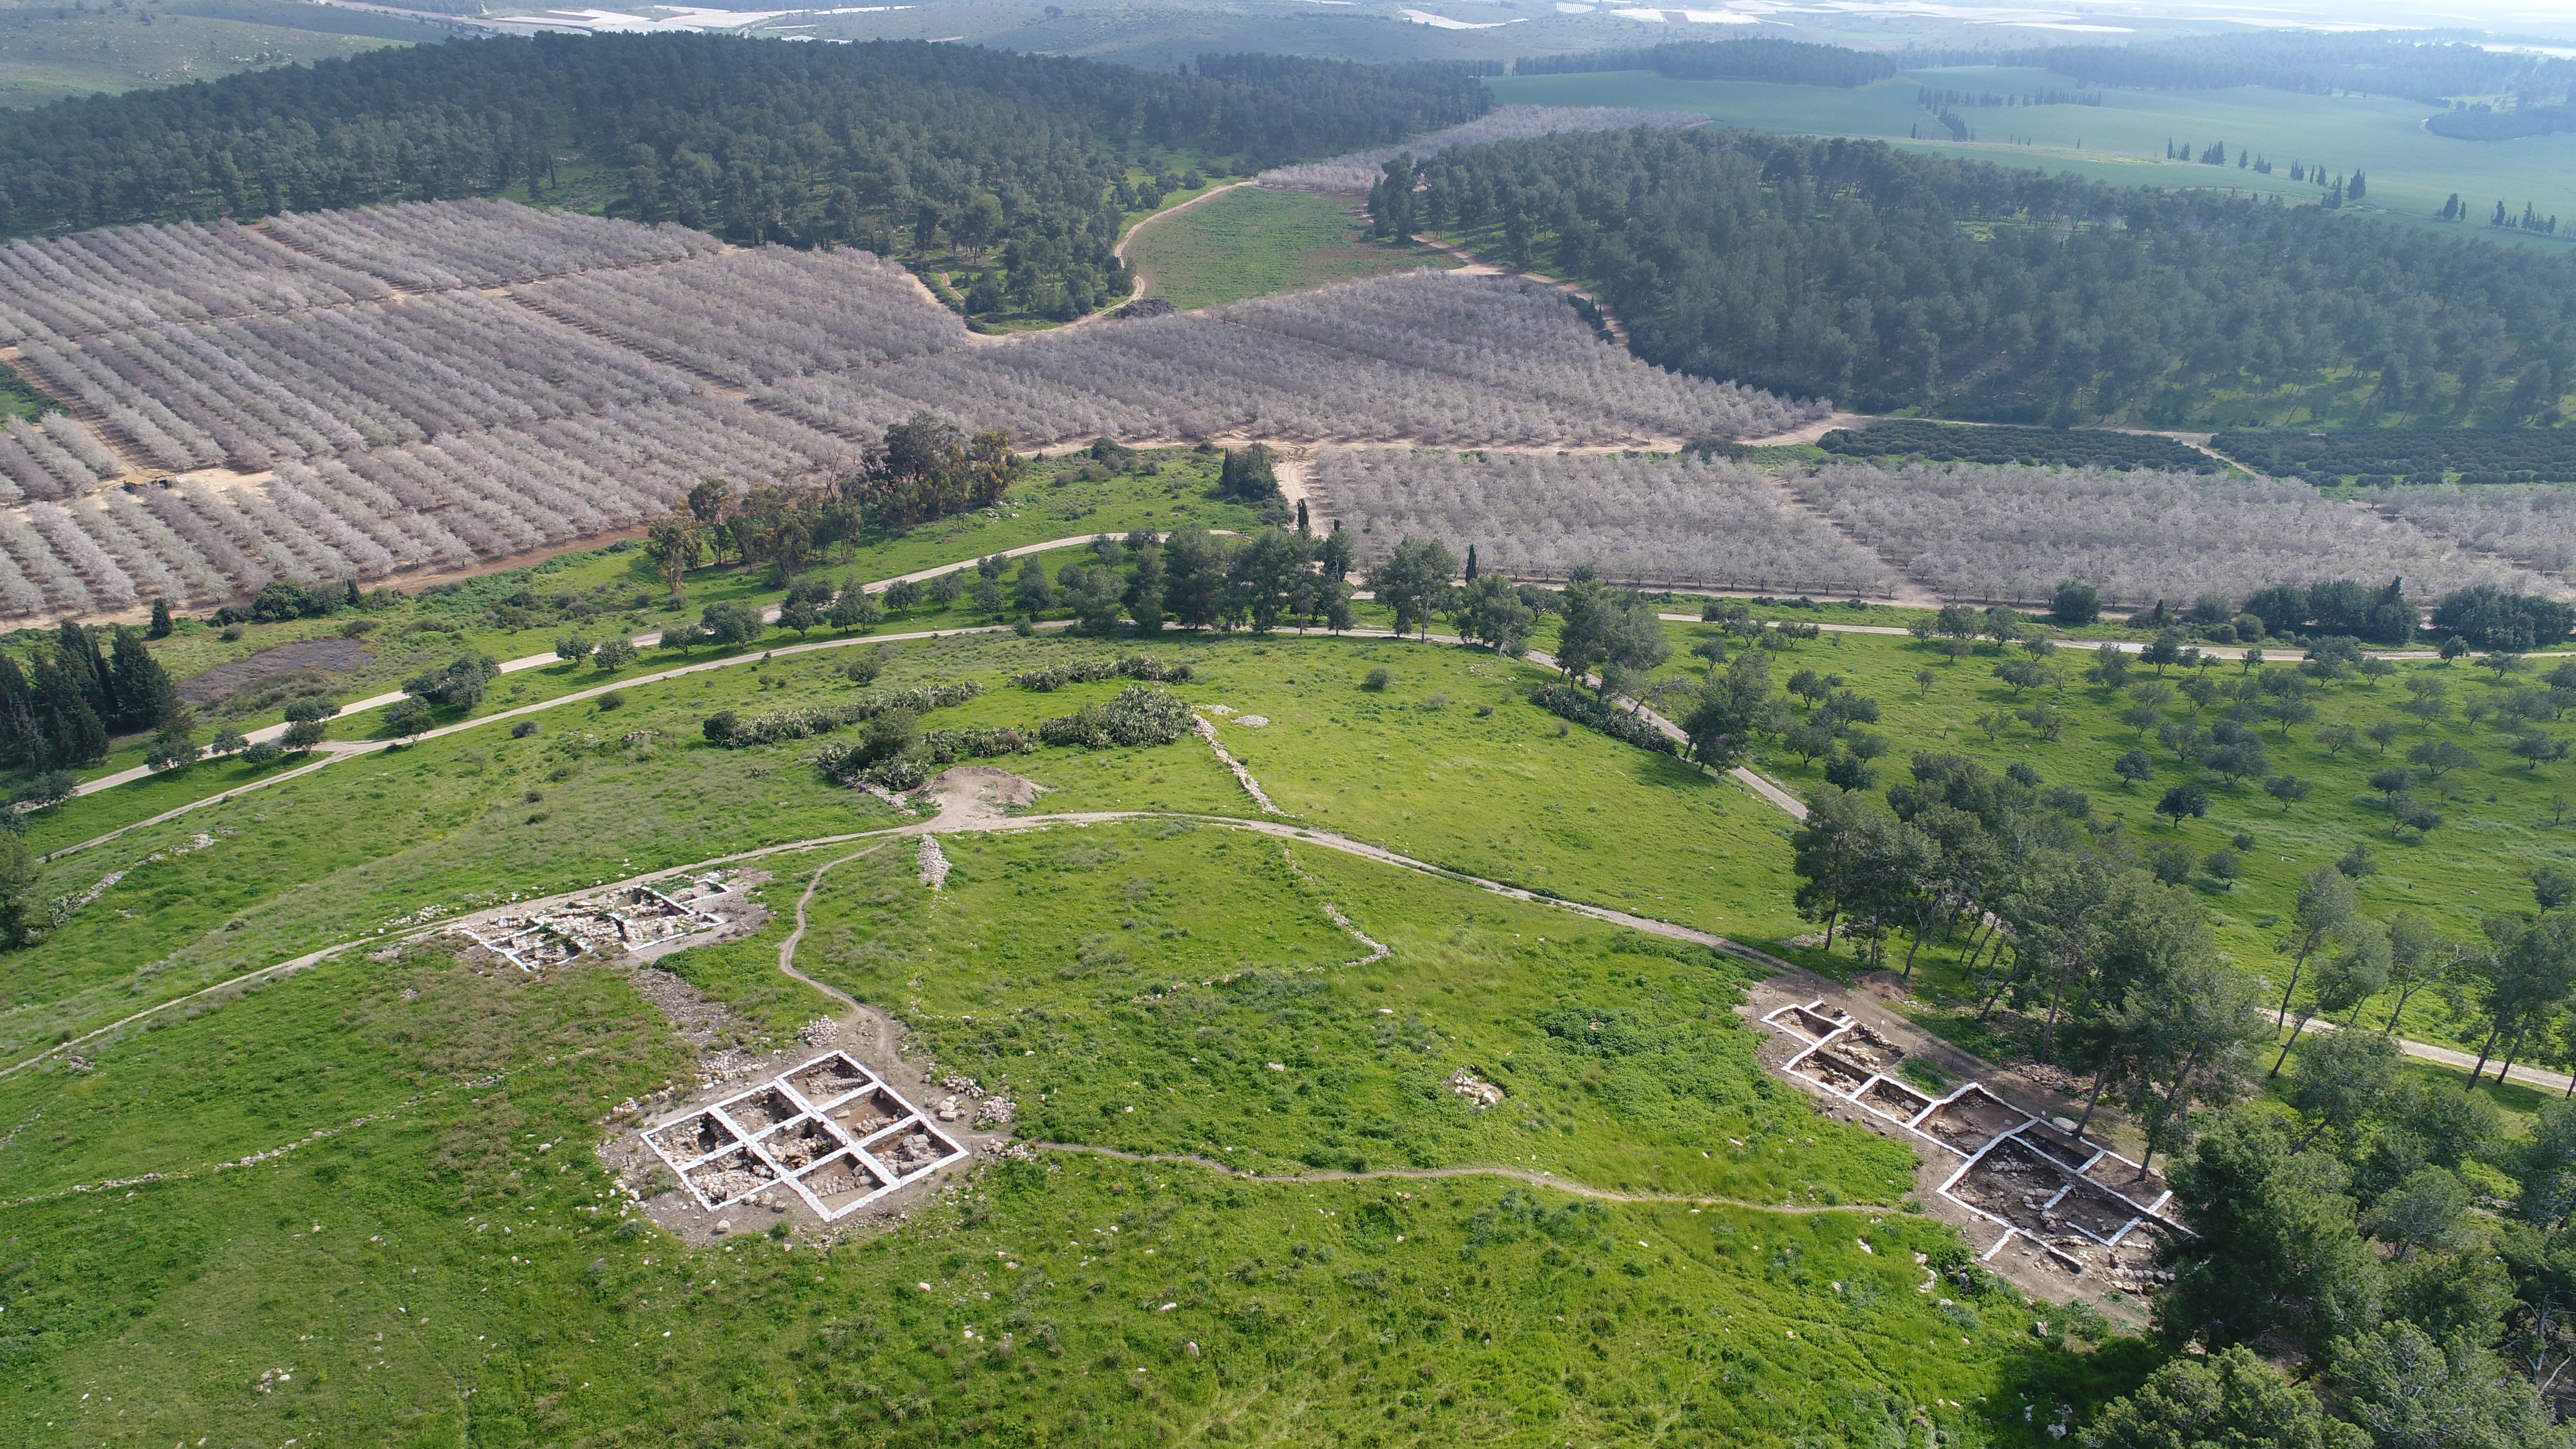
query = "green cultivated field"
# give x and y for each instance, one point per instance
(1252, 243)
(2122, 141)
(48, 52)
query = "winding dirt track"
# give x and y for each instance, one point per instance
(1424, 1174)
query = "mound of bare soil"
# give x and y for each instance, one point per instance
(334, 655)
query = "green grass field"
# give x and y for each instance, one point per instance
(48, 52)
(2122, 141)
(437, 1258)
(1252, 243)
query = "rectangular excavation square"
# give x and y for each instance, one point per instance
(2096, 1209)
(841, 1183)
(1868, 1049)
(758, 1111)
(2122, 1176)
(800, 1143)
(1823, 1066)
(868, 1113)
(731, 1177)
(909, 1149)
(2016, 1184)
(2066, 1147)
(830, 1078)
(1970, 1120)
(1802, 1022)
(1895, 1099)
(691, 1138)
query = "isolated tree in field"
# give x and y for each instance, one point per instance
(2440, 757)
(2383, 734)
(2393, 784)
(22, 916)
(1489, 611)
(2335, 738)
(2132, 768)
(407, 717)
(1721, 724)
(2535, 749)
(2185, 801)
(2230, 1398)
(2023, 674)
(800, 615)
(728, 624)
(1032, 594)
(1414, 580)
(172, 748)
(161, 625)
(304, 734)
(614, 653)
(2288, 789)
(674, 543)
(2076, 604)
(2162, 651)
(854, 607)
(904, 595)
(572, 648)
(460, 685)
(2324, 908)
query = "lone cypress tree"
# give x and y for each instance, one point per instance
(161, 624)
(1471, 563)
(146, 698)
(83, 668)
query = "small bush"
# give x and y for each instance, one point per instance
(1140, 715)
(1378, 678)
(612, 699)
(523, 729)
(232, 632)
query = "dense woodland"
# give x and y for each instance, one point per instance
(1853, 270)
(901, 147)
(2503, 455)
(2063, 447)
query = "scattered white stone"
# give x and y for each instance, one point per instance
(1479, 1093)
(1253, 721)
(934, 864)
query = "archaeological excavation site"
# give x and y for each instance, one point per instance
(831, 1132)
(2062, 1202)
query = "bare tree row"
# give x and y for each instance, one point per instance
(1664, 520)
(759, 315)
(431, 246)
(2532, 524)
(2013, 533)
(1429, 356)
